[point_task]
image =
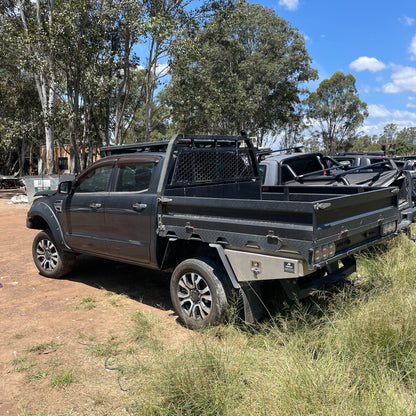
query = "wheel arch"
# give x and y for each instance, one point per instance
(177, 251)
(43, 217)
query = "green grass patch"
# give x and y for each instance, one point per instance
(146, 331)
(38, 376)
(44, 346)
(22, 364)
(63, 379)
(86, 337)
(88, 303)
(102, 350)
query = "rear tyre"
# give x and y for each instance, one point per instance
(199, 293)
(50, 260)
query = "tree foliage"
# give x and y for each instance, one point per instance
(243, 70)
(165, 21)
(70, 74)
(335, 110)
(393, 141)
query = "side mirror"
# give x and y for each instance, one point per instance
(65, 187)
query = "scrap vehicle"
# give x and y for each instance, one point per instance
(9, 182)
(194, 207)
(350, 169)
(405, 162)
(365, 161)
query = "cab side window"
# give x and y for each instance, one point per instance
(134, 178)
(96, 181)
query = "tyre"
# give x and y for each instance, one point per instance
(199, 293)
(50, 260)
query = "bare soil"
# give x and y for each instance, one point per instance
(35, 310)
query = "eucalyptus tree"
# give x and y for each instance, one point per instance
(390, 133)
(94, 41)
(335, 110)
(408, 134)
(19, 103)
(36, 49)
(165, 22)
(19, 122)
(80, 53)
(245, 69)
(126, 28)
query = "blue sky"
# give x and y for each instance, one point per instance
(373, 40)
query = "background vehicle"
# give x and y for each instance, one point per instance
(195, 207)
(350, 169)
(374, 160)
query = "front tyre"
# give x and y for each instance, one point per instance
(198, 291)
(50, 260)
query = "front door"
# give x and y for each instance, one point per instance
(85, 211)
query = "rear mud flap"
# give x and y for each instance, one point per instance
(253, 305)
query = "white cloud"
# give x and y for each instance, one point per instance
(412, 47)
(407, 21)
(380, 116)
(289, 4)
(364, 63)
(161, 69)
(403, 79)
(380, 111)
(411, 103)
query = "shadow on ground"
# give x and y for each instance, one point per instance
(150, 287)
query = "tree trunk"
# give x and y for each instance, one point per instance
(22, 157)
(45, 80)
(49, 166)
(150, 89)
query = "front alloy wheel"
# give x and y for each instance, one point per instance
(47, 255)
(50, 260)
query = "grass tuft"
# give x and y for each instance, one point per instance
(63, 379)
(88, 303)
(22, 364)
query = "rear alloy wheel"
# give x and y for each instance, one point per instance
(198, 293)
(50, 260)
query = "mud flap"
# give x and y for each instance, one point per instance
(253, 305)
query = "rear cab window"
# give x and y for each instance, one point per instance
(135, 174)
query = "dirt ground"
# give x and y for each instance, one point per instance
(37, 310)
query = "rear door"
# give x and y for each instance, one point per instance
(130, 212)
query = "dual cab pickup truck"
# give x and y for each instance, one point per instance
(194, 207)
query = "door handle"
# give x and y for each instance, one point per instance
(139, 207)
(95, 205)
